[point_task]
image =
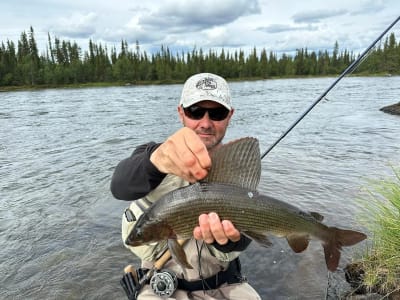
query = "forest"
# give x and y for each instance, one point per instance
(64, 63)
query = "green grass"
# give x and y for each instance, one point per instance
(381, 262)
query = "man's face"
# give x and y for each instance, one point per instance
(211, 132)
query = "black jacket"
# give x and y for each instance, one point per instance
(135, 176)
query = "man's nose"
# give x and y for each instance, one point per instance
(205, 121)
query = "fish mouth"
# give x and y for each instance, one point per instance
(131, 242)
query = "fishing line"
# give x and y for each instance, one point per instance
(348, 70)
(199, 250)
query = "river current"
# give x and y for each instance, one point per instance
(60, 225)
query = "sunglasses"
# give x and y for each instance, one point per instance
(196, 112)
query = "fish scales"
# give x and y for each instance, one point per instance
(248, 210)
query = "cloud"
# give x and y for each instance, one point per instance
(278, 28)
(184, 24)
(369, 7)
(77, 26)
(182, 16)
(316, 16)
(207, 24)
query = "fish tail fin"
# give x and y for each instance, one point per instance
(339, 238)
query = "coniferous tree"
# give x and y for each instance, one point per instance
(64, 62)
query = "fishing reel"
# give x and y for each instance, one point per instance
(164, 283)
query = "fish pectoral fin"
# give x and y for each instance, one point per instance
(178, 253)
(298, 242)
(260, 238)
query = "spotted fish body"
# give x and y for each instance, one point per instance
(230, 191)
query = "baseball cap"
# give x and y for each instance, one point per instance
(206, 86)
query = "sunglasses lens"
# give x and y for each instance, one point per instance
(218, 114)
(195, 112)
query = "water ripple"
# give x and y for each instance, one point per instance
(59, 224)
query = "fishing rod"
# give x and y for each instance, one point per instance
(348, 70)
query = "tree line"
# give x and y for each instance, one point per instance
(64, 62)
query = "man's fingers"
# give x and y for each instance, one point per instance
(184, 155)
(193, 167)
(217, 229)
(230, 231)
(211, 229)
(197, 147)
(205, 229)
(197, 234)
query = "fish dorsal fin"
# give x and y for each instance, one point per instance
(237, 163)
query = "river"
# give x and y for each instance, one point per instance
(60, 225)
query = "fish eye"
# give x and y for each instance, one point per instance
(139, 234)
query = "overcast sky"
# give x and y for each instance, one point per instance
(276, 25)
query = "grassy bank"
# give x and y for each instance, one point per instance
(381, 262)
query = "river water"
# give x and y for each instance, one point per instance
(60, 225)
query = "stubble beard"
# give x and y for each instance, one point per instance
(211, 142)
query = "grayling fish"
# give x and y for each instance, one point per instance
(230, 191)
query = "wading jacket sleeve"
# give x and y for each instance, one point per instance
(135, 176)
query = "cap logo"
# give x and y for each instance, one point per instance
(207, 83)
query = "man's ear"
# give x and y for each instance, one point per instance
(181, 113)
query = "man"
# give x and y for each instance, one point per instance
(153, 170)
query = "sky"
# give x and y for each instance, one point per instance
(280, 26)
